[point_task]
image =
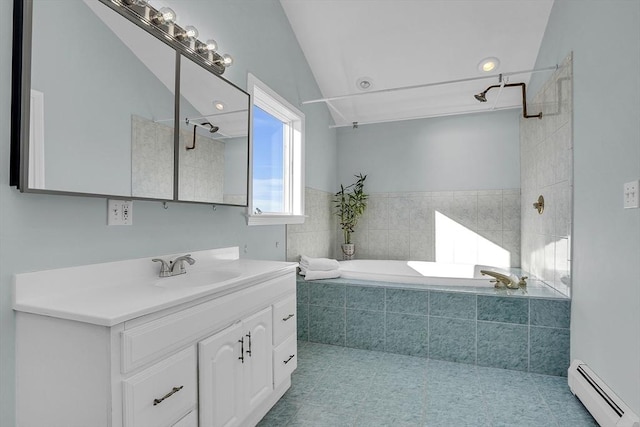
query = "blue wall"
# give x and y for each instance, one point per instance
(468, 152)
(605, 325)
(39, 232)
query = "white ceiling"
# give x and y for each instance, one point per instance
(399, 43)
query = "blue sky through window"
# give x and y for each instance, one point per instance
(268, 155)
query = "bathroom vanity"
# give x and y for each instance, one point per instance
(115, 345)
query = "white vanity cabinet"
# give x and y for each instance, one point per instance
(218, 360)
(236, 373)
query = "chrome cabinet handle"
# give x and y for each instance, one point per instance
(241, 341)
(168, 395)
(249, 351)
(289, 359)
(284, 319)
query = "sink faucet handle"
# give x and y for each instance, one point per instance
(165, 270)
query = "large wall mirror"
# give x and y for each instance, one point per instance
(109, 108)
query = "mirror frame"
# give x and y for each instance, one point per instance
(20, 96)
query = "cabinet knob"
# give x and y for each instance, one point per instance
(166, 396)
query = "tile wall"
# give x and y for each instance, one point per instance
(546, 163)
(151, 159)
(316, 237)
(509, 332)
(201, 170)
(453, 226)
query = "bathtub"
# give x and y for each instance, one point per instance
(419, 272)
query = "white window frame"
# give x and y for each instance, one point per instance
(268, 100)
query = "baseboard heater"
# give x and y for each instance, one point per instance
(607, 408)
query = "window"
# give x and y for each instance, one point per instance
(276, 190)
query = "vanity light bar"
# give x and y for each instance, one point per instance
(164, 20)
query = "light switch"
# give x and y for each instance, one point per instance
(631, 194)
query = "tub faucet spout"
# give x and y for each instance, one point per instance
(501, 280)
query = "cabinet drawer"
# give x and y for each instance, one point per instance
(162, 394)
(284, 319)
(285, 359)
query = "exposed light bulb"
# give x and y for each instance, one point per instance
(227, 60)
(211, 45)
(165, 15)
(191, 32)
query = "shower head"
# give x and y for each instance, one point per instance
(481, 96)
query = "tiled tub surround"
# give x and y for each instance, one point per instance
(314, 238)
(451, 226)
(493, 328)
(546, 164)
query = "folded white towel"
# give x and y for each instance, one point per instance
(326, 274)
(318, 264)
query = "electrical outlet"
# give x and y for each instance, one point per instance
(119, 212)
(631, 194)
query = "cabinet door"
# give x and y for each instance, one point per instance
(258, 375)
(220, 374)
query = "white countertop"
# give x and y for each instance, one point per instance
(111, 293)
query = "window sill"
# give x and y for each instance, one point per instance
(271, 219)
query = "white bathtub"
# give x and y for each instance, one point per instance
(419, 272)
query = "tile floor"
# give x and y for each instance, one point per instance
(339, 386)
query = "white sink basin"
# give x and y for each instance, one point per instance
(196, 279)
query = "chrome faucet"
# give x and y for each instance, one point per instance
(502, 280)
(165, 271)
(179, 262)
(168, 269)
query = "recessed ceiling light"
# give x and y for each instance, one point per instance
(219, 105)
(489, 64)
(364, 83)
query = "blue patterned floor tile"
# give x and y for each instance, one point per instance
(565, 407)
(337, 386)
(311, 415)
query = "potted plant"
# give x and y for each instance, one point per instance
(350, 203)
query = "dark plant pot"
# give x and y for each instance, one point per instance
(348, 250)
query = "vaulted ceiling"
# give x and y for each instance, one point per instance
(407, 43)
